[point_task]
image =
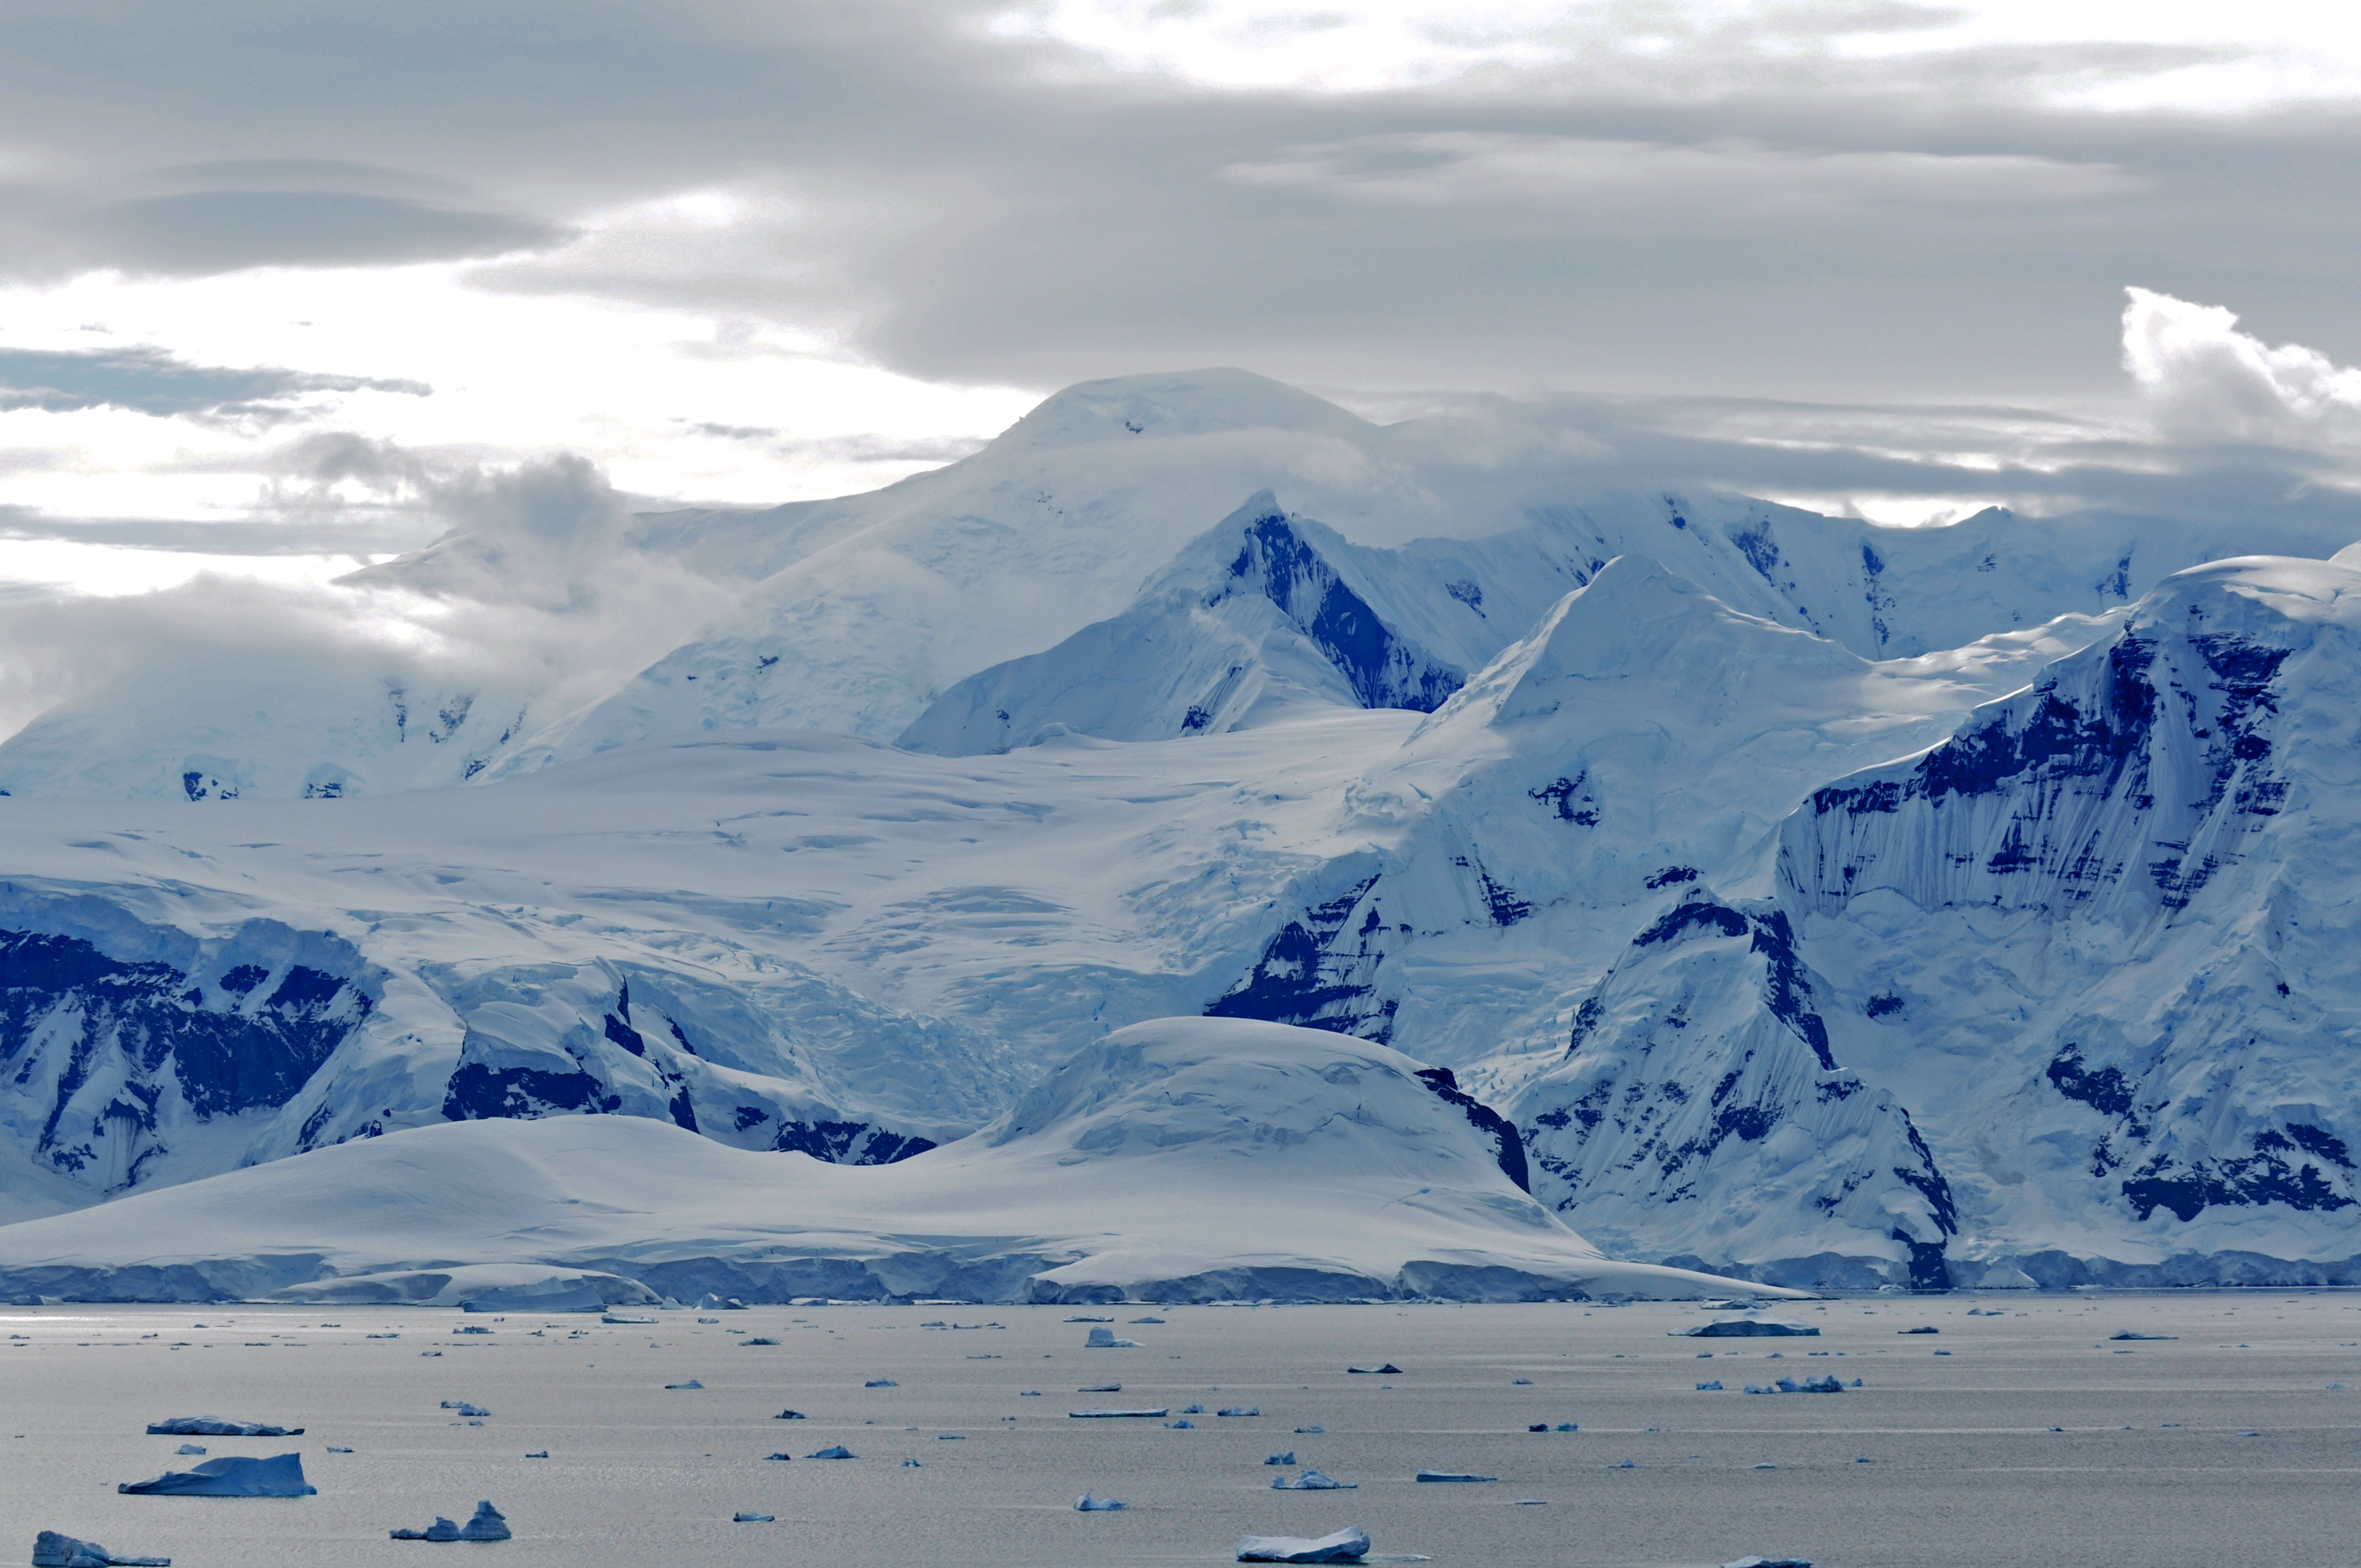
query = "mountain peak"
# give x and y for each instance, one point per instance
(1182, 403)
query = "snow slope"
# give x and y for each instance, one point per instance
(1124, 1174)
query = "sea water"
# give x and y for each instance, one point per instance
(2152, 1467)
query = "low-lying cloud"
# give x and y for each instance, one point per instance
(151, 382)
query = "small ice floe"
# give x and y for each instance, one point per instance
(1158, 1320)
(753, 1518)
(692, 1383)
(1768, 1562)
(1090, 1320)
(912, 1465)
(1086, 1504)
(881, 1383)
(281, 1475)
(709, 1302)
(198, 1448)
(381, 1336)
(837, 1451)
(1193, 1410)
(1313, 1481)
(619, 1317)
(52, 1549)
(1532, 1502)
(1713, 1387)
(1811, 1385)
(1627, 1464)
(334, 1449)
(1758, 1388)
(1538, 1426)
(1104, 1415)
(950, 1437)
(766, 1456)
(1347, 1545)
(1310, 1432)
(1105, 1339)
(471, 1328)
(213, 1425)
(1453, 1475)
(1099, 1389)
(1565, 1426)
(789, 1415)
(541, 1453)
(1942, 1352)
(1922, 1329)
(1747, 1328)
(2128, 1335)
(1184, 1424)
(1286, 1458)
(487, 1525)
(1241, 1411)
(1766, 1464)
(758, 1339)
(464, 1409)
(1386, 1369)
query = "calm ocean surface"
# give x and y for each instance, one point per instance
(2154, 1467)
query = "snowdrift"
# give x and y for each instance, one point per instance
(1183, 1159)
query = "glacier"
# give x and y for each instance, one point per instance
(1762, 895)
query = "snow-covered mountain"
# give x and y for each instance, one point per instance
(1125, 1174)
(853, 616)
(1817, 903)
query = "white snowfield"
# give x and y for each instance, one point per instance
(1185, 1159)
(1822, 904)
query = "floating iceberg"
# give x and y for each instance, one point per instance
(1099, 1389)
(1313, 1481)
(1184, 1424)
(2128, 1335)
(1302, 1431)
(789, 1415)
(881, 1383)
(1925, 1329)
(1712, 1387)
(213, 1425)
(1387, 1370)
(1453, 1475)
(1768, 1562)
(1103, 1339)
(1347, 1545)
(464, 1409)
(52, 1549)
(753, 1518)
(1147, 1320)
(190, 1448)
(1241, 1411)
(1748, 1328)
(281, 1475)
(692, 1383)
(487, 1525)
(1811, 1385)
(1193, 1410)
(1157, 1414)
(757, 1340)
(838, 1452)
(1287, 1458)
(619, 1317)
(1090, 1320)
(1086, 1504)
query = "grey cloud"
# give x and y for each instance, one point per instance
(1001, 213)
(302, 174)
(151, 382)
(221, 231)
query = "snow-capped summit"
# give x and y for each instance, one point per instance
(1265, 612)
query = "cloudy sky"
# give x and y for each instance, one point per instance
(275, 277)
